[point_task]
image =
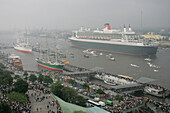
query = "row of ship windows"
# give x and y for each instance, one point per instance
(94, 38)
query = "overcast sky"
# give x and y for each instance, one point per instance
(71, 14)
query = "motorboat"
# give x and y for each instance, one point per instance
(111, 58)
(134, 65)
(147, 59)
(155, 70)
(101, 54)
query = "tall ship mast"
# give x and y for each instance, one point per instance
(23, 46)
(52, 65)
(124, 41)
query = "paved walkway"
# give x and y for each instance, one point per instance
(42, 103)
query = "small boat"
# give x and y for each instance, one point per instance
(101, 54)
(95, 55)
(156, 70)
(147, 59)
(88, 51)
(134, 65)
(111, 58)
(65, 62)
(86, 56)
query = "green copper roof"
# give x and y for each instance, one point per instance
(70, 108)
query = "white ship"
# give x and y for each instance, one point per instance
(124, 41)
(23, 46)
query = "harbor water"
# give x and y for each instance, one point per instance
(121, 65)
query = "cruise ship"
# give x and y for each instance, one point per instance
(23, 46)
(124, 41)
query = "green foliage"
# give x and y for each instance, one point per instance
(18, 97)
(5, 108)
(33, 78)
(85, 86)
(69, 95)
(72, 81)
(21, 86)
(16, 77)
(2, 66)
(40, 78)
(47, 79)
(5, 78)
(119, 98)
(79, 112)
(25, 73)
(100, 91)
(56, 89)
(81, 101)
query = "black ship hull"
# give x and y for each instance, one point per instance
(115, 48)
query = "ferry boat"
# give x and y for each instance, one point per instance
(23, 46)
(159, 92)
(115, 79)
(114, 40)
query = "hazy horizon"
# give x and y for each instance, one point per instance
(71, 14)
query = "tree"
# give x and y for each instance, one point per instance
(5, 108)
(5, 78)
(2, 66)
(72, 81)
(56, 89)
(79, 111)
(85, 86)
(100, 91)
(16, 77)
(40, 78)
(48, 79)
(69, 95)
(119, 97)
(21, 86)
(25, 73)
(18, 97)
(81, 101)
(33, 78)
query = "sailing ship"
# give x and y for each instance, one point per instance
(57, 66)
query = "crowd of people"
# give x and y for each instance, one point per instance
(15, 106)
(40, 94)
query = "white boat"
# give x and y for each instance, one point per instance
(152, 65)
(156, 70)
(111, 58)
(134, 65)
(95, 55)
(88, 51)
(159, 92)
(109, 83)
(23, 46)
(147, 59)
(101, 54)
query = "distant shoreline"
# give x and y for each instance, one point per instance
(164, 44)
